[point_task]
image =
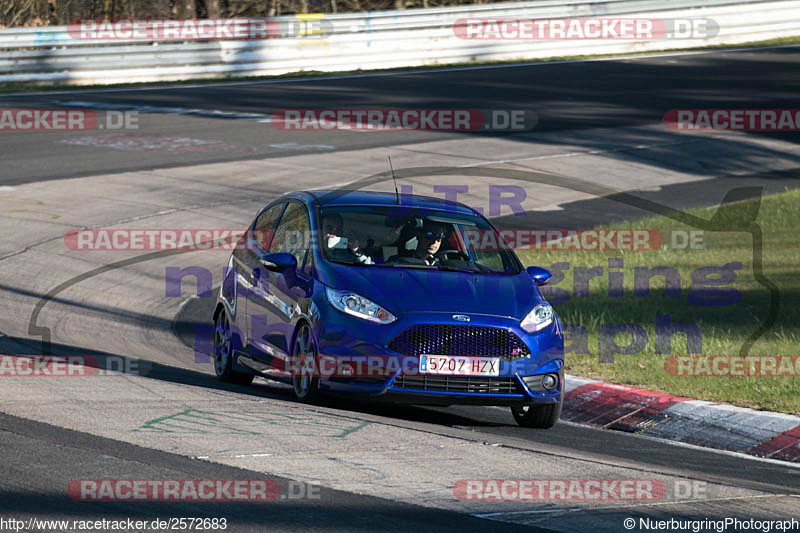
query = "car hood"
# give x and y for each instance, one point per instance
(408, 290)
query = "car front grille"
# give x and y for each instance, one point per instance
(449, 339)
(458, 384)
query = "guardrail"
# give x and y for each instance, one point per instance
(375, 40)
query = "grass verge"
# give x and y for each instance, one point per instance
(721, 312)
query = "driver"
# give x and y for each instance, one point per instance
(429, 240)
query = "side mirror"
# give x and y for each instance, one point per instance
(540, 275)
(280, 262)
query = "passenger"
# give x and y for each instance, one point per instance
(332, 226)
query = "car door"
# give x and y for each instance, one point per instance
(256, 242)
(277, 296)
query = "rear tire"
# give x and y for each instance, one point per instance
(223, 353)
(537, 416)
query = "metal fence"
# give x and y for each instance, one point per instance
(375, 40)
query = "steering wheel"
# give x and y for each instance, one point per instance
(453, 255)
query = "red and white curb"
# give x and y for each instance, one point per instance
(660, 415)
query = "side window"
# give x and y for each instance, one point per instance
(264, 228)
(293, 233)
(490, 259)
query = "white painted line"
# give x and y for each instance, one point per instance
(545, 511)
(585, 152)
(7, 188)
(298, 146)
(549, 207)
(631, 506)
(400, 72)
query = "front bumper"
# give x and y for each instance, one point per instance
(519, 379)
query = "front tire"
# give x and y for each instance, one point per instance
(305, 383)
(223, 353)
(537, 416)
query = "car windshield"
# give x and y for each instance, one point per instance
(398, 236)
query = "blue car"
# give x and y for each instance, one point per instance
(398, 298)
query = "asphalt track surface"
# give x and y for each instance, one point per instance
(64, 432)
(55, 451)
(567, 97)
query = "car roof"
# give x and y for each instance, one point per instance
(343, 197)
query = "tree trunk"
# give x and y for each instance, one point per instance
(213, 9)
(185, 9)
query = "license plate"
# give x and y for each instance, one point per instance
(456, 365)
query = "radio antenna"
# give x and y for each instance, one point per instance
(394, 179)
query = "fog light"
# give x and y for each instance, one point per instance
(550, 381)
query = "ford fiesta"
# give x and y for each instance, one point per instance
(388, 297)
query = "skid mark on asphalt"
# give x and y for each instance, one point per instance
(144, 143)
(169, 110)
(34, 207)
(196, 421)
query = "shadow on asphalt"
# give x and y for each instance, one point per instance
(49, 458)
(266, 389)
(597, 444)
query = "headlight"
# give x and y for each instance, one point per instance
(539, 318)
(353, 304)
